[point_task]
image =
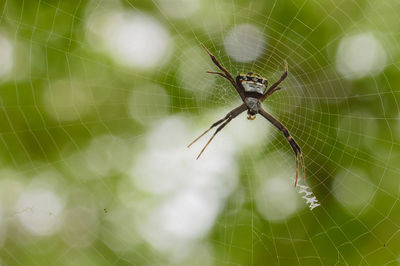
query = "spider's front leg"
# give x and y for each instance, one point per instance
(273, 88)
(225, 73)
(295, 147)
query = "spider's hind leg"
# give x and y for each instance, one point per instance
(297, 151)
(205, 132)
(295, 147)
(215, 133)
(232, 114)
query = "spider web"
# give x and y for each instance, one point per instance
(95, 168)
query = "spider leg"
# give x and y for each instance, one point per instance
(225, 73)
(205, 132)
(217, 73)
(215, 133)
(273, 86)
(272, 91)
(218, 64)
(295, 147)
(232, 114)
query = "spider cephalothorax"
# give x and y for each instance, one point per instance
(252, 89)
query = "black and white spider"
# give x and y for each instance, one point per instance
(252, 89)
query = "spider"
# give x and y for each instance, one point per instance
(252, 89)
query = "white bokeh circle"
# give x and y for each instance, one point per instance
(360, 55)
(276, 199)
(135, 39)
(245, 43)
(39, 211)
(353, 189)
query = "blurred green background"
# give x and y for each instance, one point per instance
(99, 100)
